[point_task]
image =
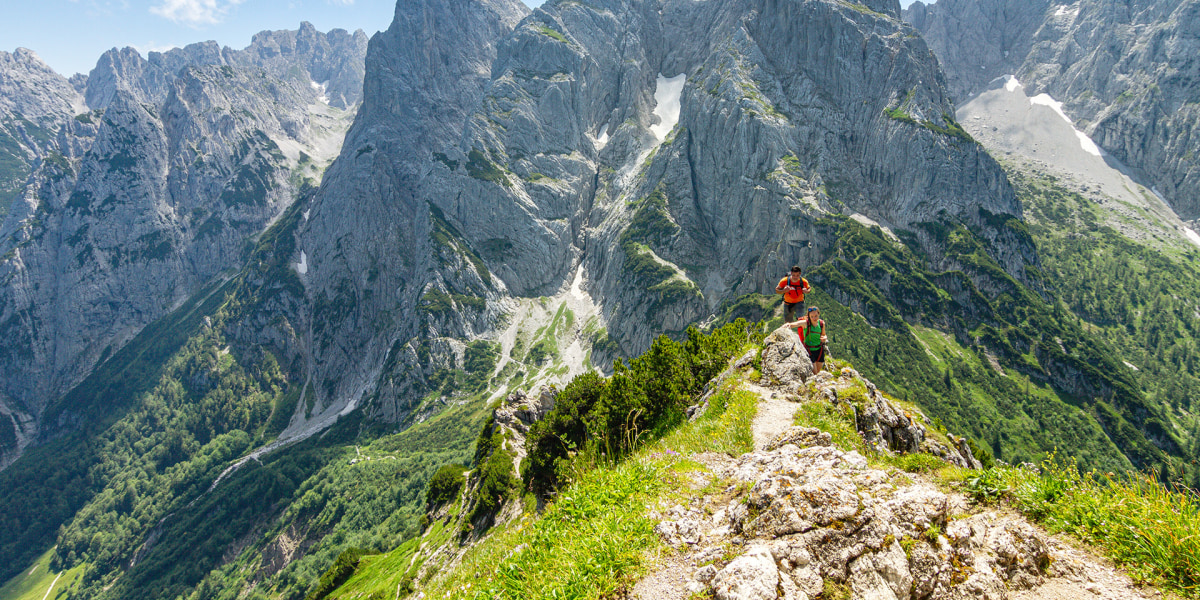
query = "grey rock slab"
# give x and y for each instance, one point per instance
(751, 576)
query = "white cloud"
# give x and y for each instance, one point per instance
(341, 2)
(194, 12)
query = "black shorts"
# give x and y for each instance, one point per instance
(790, 309)
(816, 356)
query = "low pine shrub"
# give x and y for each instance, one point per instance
(603, 420)
(444, 485)
(496, 481)
(337, 574)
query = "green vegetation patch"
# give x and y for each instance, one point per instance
(652, 224)
(551, 33)
(1151, 530)
(1019, 410)
(480, 167)
(445, 485)
(589, 543)
(40, 581)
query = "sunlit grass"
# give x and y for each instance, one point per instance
(596, 538)
(1153, 531)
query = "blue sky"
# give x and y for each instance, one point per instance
(71, 34)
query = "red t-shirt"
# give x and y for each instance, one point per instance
(793, 293)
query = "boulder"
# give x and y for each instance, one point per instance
(885, 425)
(784, 360)
(751, 576)
(802, 437)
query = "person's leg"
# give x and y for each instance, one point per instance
(789, 312)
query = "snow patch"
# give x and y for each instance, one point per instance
(321, 87)
(577, 287)
(1192, 235)
(1064, 10)
(302, 266)
(666, 94)
(305, 213)
(1131, 365)
(602, 138)
(1085, 142)
(1045, 100)
(1012, 84)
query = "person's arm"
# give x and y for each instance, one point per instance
(824, 332)
(779, 288)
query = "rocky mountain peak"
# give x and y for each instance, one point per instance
(30, 88)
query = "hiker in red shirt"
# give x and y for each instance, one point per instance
(793, 288)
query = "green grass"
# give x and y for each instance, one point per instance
(593, 541)
(550, 33)
(480, 167)
(590, 543)
(837, 420)
(1151, 530)
(34, 582)
(725, 426)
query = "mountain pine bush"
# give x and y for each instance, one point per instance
(604, 419)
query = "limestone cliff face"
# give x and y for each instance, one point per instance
(665, 156)
(35, 103)
(672, 154)
(128, 208)
(1126, 73)
(377, 252)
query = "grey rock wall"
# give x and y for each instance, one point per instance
(1126, 73)
(498, 153)
(334, 59)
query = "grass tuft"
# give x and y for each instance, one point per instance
(1152, 530)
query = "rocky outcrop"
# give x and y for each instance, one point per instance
(816, 516)
(35, 105)
(518, 413)
(884, 424)
(31, 89)
(1125, 73)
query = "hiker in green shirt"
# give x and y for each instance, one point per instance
(812, 334)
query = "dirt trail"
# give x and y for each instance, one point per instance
(774, 415)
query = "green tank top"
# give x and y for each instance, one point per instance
(812, 335)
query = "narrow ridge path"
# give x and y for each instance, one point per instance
(774, 415)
